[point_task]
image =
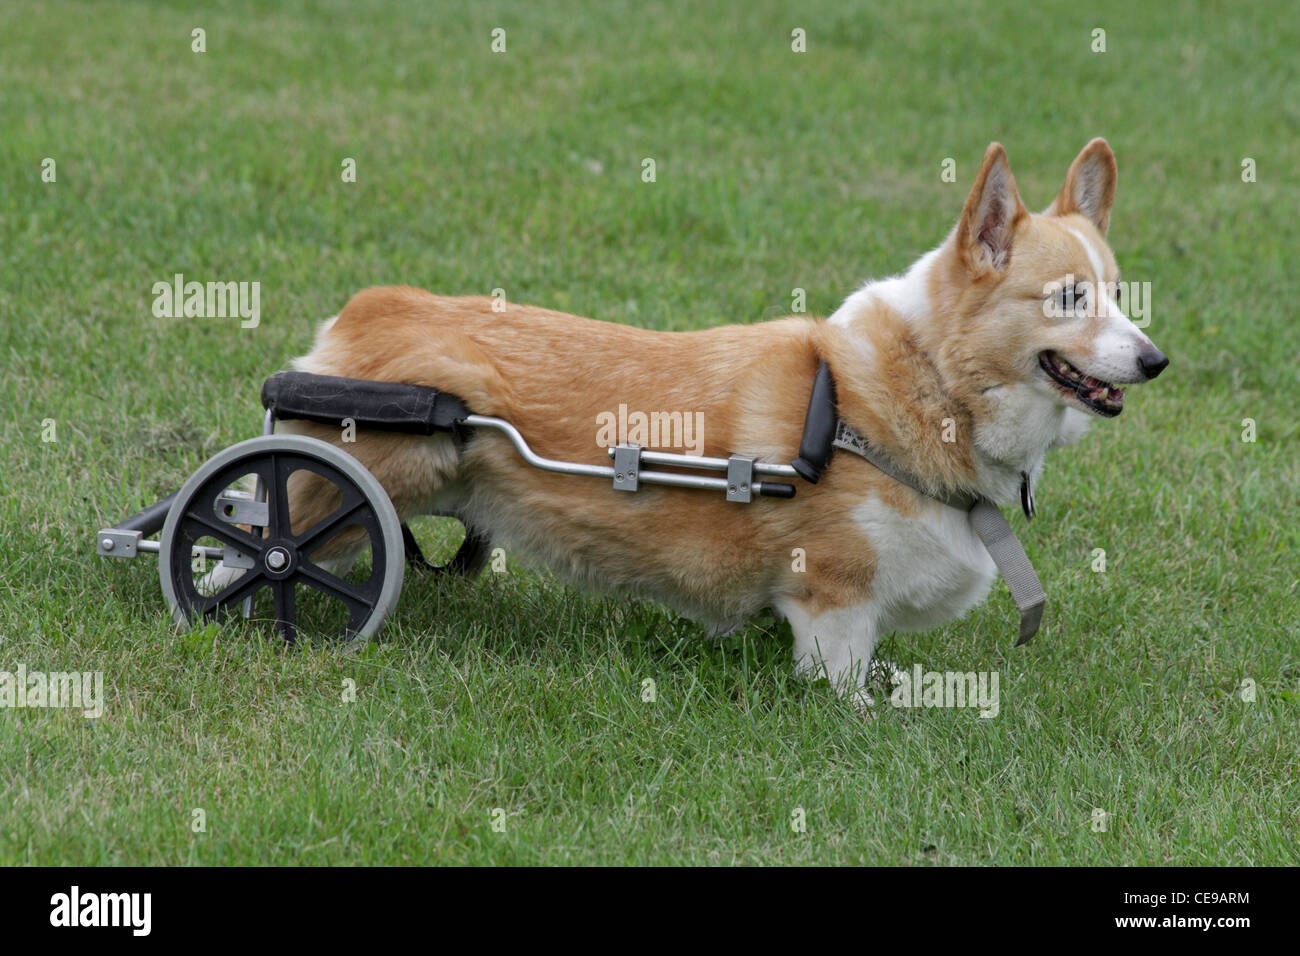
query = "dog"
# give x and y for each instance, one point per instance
(966, 370)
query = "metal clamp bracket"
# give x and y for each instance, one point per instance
(112, 543)
(627, 467)
(238, 507)
(740, 478)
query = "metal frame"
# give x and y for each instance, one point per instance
(627, 474)
(746, 478)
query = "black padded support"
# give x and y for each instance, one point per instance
(385, 406)
(818, 428)
(149, 520)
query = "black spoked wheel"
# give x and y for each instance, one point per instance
(223, 548)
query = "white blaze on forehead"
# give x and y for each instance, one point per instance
(1119, 342)
(1094, 257)
(1102, 301)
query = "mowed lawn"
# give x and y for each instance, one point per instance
(1156, 719)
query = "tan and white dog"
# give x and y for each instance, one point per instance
(957, 369)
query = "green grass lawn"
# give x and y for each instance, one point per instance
(522, 171)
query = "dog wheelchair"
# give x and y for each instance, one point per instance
(249, 533)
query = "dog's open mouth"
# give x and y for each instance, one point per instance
(1097, 396)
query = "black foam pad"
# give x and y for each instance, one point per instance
(385, 406)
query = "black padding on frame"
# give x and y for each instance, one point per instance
(385, 406)
(149, 520)
(818, 428)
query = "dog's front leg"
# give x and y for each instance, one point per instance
(836, 644)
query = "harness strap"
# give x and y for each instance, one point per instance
(848, 438)
(985, 517)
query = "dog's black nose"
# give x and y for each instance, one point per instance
(1153, 362)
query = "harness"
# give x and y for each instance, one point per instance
(824, 431)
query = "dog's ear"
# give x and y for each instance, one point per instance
(1089, 185)
(989, 219)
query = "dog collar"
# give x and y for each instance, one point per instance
(824, 431)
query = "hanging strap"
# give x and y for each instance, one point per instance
(1009, 555)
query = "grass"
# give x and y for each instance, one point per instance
(522, 171)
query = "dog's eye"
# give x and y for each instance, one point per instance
(1067, 301)
(1072, 299)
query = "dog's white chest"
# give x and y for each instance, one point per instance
(931, 569)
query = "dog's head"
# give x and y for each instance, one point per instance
(1029, 302)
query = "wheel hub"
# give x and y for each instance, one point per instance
(279, 561)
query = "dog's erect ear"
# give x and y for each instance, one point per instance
(1089, 185)
(989, 219)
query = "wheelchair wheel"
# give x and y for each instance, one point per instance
(266, 551)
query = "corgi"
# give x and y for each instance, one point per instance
(962, 369)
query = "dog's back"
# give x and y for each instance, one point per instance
(561, 380)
